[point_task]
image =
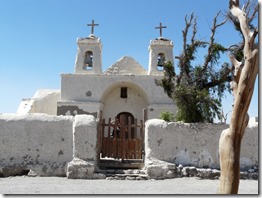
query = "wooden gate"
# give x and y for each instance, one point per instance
(121, 138)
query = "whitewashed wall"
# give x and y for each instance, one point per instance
(194, 144)
(79, 88)
(37, 142)
(134, 103)
(44, 101)
(45, 144)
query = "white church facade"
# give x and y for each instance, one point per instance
(85, 136)
(124, 87)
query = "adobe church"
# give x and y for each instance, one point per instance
(124, 88)
(81, 146)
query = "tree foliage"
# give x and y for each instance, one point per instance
(198, 89)
(167, 116)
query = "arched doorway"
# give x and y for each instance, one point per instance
(127, 118)
(124, 97)
(121, 126)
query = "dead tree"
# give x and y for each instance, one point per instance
(243, 86)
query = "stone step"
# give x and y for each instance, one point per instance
(140, 174)
(123, 174)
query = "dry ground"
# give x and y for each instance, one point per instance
(59, 185)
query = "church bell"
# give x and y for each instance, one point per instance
(161, 60)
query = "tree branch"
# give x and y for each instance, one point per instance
(253, 14)
(185, 31)
(184, 68)
(236, 64)
(224, 78)
(211, 42)
(252, 39)
(194, 31)
(244, 9)
(233, 3)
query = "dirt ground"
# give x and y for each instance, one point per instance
(60, 185)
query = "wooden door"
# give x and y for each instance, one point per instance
(122, 138)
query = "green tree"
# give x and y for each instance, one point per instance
(167, 116)
(197, 90)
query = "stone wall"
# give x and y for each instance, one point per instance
(40, 143)
(193, 144)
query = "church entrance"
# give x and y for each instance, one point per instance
(121, 141)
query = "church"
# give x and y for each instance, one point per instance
(123, 88)
(96, 121)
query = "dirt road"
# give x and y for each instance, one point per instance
(58, 185)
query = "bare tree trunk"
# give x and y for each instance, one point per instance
(243, 85)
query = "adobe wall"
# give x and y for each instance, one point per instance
(37, 142)
(79, 95)
(63, 145)
(194, 144)
(44, 101)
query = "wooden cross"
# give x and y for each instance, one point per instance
(160, 27)
(93, 25)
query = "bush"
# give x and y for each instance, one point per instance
(167, 116)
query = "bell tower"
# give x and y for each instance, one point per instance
(160, 51)
(89, 54)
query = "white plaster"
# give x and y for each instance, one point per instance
(75, 86)
(44, 101)
(183, 158)
(85, 138)
(39, 142)
(25, 106)
(159, 46)
(193, 144)
(206, 159)
(134, 103)
(253, 122)
(89, 44)
(80, 169)
(92, 91)
(245, 162)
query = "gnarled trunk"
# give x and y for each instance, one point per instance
(243, 86)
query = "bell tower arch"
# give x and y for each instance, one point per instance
(89, 54)
(160, 51)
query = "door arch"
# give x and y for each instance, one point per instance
(114, 102)
(125, 116)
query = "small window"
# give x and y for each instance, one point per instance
(88, 61)
(123, 93)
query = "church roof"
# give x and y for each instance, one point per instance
(126, 66)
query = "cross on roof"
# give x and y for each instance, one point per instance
(93, 25)
(160, 27)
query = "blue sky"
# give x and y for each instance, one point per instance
(38, 38)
